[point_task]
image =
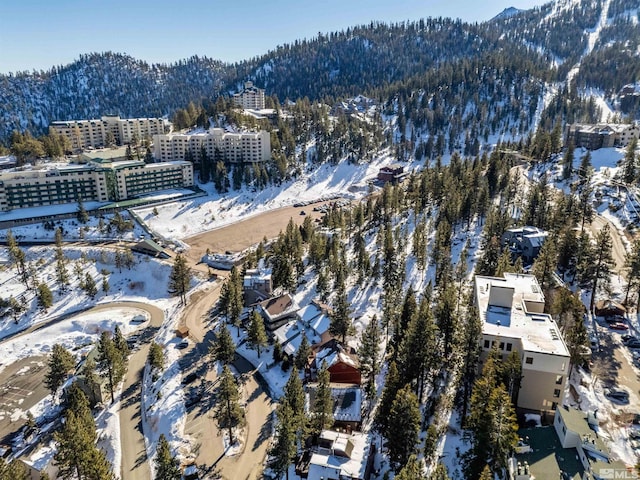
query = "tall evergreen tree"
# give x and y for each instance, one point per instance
(341, 325)
(89, 285)
(167, 466)
(60, 363)
(546, 263)
(403, 438)
(294, 397)
(391, 386)
(228, 412)
(179, 279)
(632, 266)
(411, 471)
(45, 297)
(322, 410)
(302, 354)
(284, 448)
(110, 362)
(256, 334)
(446, 318)
(369, 355)
(603, 263)
(223, 349)
(629, 163)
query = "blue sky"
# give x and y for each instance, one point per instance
(37, 34)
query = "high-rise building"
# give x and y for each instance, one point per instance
(251, 98)
(94, 133)
(243, 147)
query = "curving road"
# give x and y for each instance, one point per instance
(134, 453)
(200, 423)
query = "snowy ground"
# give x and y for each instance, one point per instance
(179, 220)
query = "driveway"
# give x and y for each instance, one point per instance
(200, 424)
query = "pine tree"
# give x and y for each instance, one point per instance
(110, 362)
(503, 435)
(369, 355)
(167, 467)
(411, 471)
(256, 335)
(391, 387)
(59, 364)
(45, 297)
(403, 438)
(284, 448)
(440, 473)
(488, 262)
(91, 378)
(446, 318)
(322, 410)
(89, 286)
(567, 161)
(294, 397)
(629, 163)
(120, 343)
(340, 317)
(228, 412)
(81, 214)
(179, 279)
(486, 473)
(234, 302)
(302, 355)
(155, 357)
(603, 263)
(14, 470)
(223, 349)
(632, 266)
(545, 265)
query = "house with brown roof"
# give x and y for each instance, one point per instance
(277, 311)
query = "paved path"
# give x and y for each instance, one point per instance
(200, 423)
(134, 454)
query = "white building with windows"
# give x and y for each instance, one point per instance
(241, 147)
(93, 133)
(511, 310)
(251, 98)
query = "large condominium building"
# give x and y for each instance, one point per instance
(593, 137)
(512, 314)
(251, 98)
(244, 147)
(94, 181)
(93, 133)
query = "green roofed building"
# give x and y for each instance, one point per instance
(100, 178)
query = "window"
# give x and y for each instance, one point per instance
(501, 345)
(559, 380)
(509, 347)
(529, 361)
(556, 393)
(554, 405)
(486, 344)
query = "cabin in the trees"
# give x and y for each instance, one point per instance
(339, 456)
(524, 242)
(392, 173)
(277, 311)
(341, 361)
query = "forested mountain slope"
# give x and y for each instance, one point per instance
(504, 63)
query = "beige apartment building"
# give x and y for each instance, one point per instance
(93, 133)
(251, 98)
(100, 181)
(242, 147)
(512, 314)
(602, 135)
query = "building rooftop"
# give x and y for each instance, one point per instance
(513, 306)
(279, 305)
(347, 457)
(547, 459)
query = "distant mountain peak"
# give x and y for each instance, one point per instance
(506, 13)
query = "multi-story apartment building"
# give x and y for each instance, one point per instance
(93, 133)
(94, 181)
(512, 314)
(243, 147)
(593, 137)
(251, 98)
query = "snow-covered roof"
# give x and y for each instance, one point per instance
(315, 318)
(513, 306)
(279, 306)
(333, 462)
(347, 406)
(289, 336)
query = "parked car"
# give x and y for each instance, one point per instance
(634, 434)
(619, 326)
(189, 378)
(617, 394)
(183, 344)
(635, 444)
(626, 337)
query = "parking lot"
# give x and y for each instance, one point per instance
(22, 386)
